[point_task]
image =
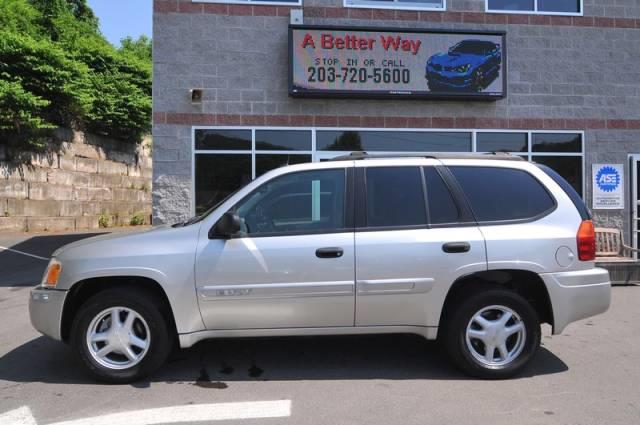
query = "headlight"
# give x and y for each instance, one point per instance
(463, 68)
(52, 274)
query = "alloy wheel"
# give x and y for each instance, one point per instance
(118, 338)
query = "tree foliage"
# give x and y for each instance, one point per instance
(56, 69)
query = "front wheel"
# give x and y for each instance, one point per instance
(121, 335)
(493, 334)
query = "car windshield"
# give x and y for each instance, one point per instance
(469, 48)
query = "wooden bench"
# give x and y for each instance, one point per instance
(610, 244)
(615, 256)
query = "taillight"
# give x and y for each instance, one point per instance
(586, 241)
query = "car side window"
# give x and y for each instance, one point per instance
(503, 194)
(308, 201)
(442, 206)
(395, 197)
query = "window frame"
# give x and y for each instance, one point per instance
(535, 10)
(397, 5)
(318, 155)
(252, 2)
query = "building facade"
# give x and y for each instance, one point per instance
(225, 111)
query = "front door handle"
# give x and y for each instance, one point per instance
(329, 252)
(456, 247)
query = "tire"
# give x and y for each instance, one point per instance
(464, 336)
(147, 325)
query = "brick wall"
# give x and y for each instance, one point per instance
(81, 179)
(574, 73)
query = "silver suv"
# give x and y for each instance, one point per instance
(476, 251)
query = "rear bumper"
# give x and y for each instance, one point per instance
(45, 310)
(577, 295)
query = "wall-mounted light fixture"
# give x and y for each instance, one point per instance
(196, 95)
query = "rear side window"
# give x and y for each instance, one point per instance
(569, 190)
(395, 197)
(502, 194)
(442, 207)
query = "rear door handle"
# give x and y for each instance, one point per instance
(331, 252)
(456, 247)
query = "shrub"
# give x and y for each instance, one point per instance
(137, 219)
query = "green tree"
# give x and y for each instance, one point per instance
(140, 48)
(56, 69)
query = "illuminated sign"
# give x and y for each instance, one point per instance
(368, 62)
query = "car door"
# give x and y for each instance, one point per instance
(405, 261)
(292, 264)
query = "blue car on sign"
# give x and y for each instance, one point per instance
(470, 65)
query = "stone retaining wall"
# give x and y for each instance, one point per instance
(82, 182)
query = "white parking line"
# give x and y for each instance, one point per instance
(20, 416)
(192, 413)
(4, 248)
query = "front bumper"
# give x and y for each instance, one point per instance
(45, 310)
(577, 295)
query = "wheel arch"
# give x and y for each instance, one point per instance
(524, 282)
(86, 288)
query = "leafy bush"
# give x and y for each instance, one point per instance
(103, 221)
(137, 219)
(56, 69)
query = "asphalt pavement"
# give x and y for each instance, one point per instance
(588, 375)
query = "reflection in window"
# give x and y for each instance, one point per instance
(393, 141)
(501, 142)
(266, 163)
(569, 167)
(223, 139)
(309, 201)
(557, 142)
(272, 140)
(219, 175)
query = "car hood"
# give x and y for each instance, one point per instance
(446, 59)
(120, 238)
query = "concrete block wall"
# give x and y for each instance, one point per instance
(82, 179)
(568, 73)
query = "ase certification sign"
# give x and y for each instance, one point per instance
(608, 186)
(368, 62)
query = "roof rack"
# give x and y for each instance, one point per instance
(360, 155)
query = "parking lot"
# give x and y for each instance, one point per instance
(588, 375)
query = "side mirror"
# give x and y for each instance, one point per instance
(228, 225)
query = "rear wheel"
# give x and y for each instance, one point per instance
(493, 334)
(121, 335)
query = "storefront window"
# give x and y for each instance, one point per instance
(283, 140)
(223, 139)
(393, 141)
(398, 4)
(571, 7)
(569, 167)
(501, 142)
(556, 142)
(216, 176)
(218, 172)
